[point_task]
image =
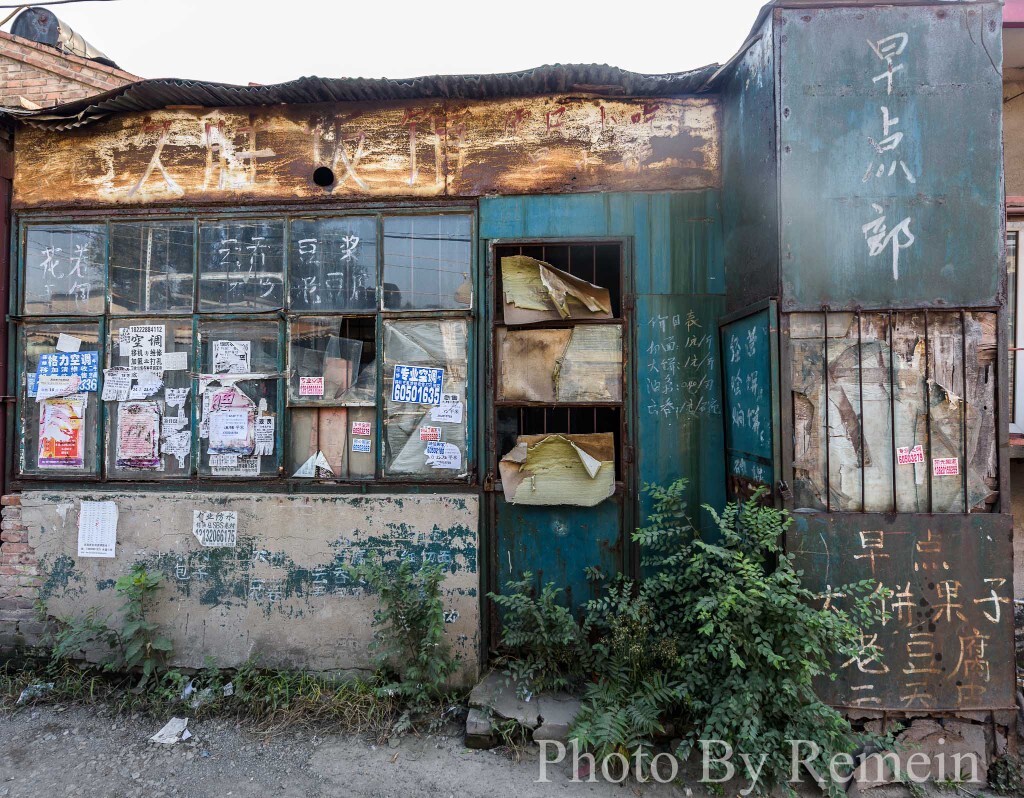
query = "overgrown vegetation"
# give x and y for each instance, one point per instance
(1006, 775)
(720, 639)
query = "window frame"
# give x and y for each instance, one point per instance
(1015, 322)
(283, 316)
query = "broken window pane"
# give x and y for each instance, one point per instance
(65, 269)
(59, 433)
(239, 383)
(241, 265)
(151, 267)
(332, 361)
(425, 413)
(534, 291)
(149, 430)
(576, 365)
(345, 436)
(333, 263)
(427, 262)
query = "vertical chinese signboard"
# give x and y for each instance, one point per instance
(890, 129)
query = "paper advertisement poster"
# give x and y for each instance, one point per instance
(97, 529)
(50, 385)
(430, 433)
(311, 386)
(946, 466)
(145, 344)
(362, 445)
(68, 343)
(244, 467)
(175, 361)
(444, 455)
(85, 365)
(231, 357)
(908, 455)
(175, 397)
(116, 384)
(178, 444)
(450, 411)
(264, 435)
(215, 529)
(146, 384)
(231, 431)
(138, 436)
(418, 385)
(61, 437)
(362, 428)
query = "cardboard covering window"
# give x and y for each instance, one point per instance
(575, 365)
(534, 291)
(559, 469)
(415, 444)
(926, 397)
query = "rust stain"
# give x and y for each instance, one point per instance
(422, 149)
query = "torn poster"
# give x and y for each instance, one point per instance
(581, 364)
(215, 529)
(362, 428)
(450, 411)
(61, 440)
(146, 384)
(85, 365)
(68, 343)
(116, 384)
(138, 436)
(178, 444)
(231, 357)
(362, 445)
(536, 291)
(244, 467)
(315, 467)
(444, 455)
(97, 529)
(559, 469)
(264, 435)
(48, 386)
(176, 361)
(311, 386)
(175, 397)
(419, 385)
(145, 347)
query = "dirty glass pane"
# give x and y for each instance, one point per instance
(946, 403)
(982, 470)
(148, 400)
(241, 265)
(425, 412)
(332, 361)
(844, 440)
(345, 436)
(807, 341)
(332, 263)
(427, 262)
(59, 436)
(1012, 238)
(240, 365)
(65, 266)
(911, 416)
(151, 267)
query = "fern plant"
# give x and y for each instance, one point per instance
(409, 647)
(544, 647)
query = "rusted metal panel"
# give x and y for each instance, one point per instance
(890, 175)
(418, 149)
(946, 639)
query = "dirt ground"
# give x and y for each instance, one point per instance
(90, 752)
(57, 752)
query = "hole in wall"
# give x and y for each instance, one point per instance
(323, 176)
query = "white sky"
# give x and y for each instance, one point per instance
(239, 41)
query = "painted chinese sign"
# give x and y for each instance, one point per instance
(879, 178)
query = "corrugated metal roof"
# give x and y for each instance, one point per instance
(148, 95)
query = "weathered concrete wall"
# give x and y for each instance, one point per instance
(282, 595)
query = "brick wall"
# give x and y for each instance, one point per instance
(46, 77)
(18, 580)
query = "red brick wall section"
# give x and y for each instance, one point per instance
(47, 77)
(19, 579)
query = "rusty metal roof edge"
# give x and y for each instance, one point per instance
(156, 93)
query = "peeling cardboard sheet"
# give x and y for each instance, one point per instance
(582, 364)
(559, 469)
(536, 291)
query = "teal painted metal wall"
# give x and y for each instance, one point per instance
(674, 254)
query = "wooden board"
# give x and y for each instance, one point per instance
(419, 149)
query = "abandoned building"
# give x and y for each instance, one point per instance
(260, 333)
